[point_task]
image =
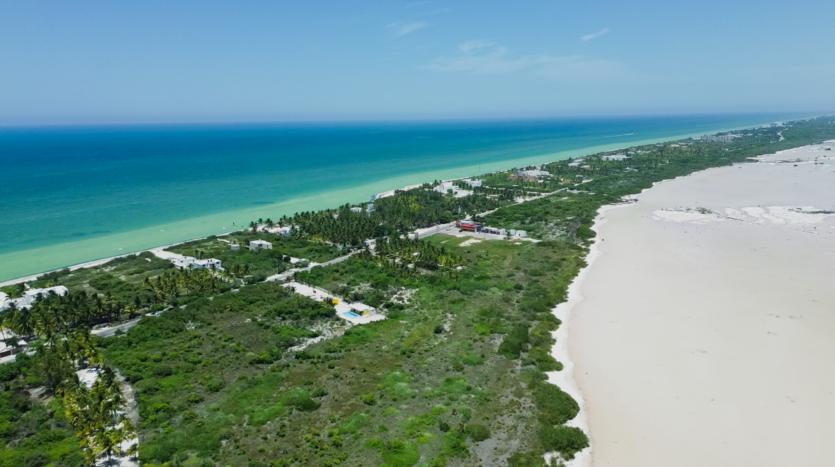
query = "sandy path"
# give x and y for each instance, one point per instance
(711, 342)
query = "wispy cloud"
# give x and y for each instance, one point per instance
(407, 28)
(595, 35)
(488, 58)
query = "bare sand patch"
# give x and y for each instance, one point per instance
(711, 343)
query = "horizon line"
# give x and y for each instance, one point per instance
(810, 114)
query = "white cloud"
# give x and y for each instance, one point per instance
(595, 35)
(487, 58)
(407, 28)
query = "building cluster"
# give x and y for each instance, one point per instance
(719, 138)
(31, 296)
(369, 208)
(188, 262)
(616, 157)
(472, 226)
(536, 173)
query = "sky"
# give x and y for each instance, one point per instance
(93, 61)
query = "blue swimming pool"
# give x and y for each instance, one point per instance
(350, 314)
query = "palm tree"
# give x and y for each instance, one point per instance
(23, 322)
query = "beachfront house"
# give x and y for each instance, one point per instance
(356, 209)
(31, 296)
(532, 173)
(10, 344)
(616, 157)
(445, 187)
(256, 245)
(719, 138)
(235, 247)
(189, 262)
(473, 183)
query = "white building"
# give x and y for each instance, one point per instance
(260, 245)
(445, 187)
(473, 183)
(576, 162)
(6, 349)
(356, 209)
(616, 157)
(517, 233)
(719, 138)
(194, 263)
(357, 313)
(31, 296)
(235, 247)
(532, 173)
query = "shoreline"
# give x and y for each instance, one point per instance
(564, 379)
(672, 374)
(211, 224)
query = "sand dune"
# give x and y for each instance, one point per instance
(706, 335)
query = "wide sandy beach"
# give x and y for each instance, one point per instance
(706, 332)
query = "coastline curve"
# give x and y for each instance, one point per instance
(564, 379)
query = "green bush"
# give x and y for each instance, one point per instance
(526, 459)
(568, 440)
(375, 444)
(478, 432)
(400, 453)
(369, 399)
(455, 443)
(515, 342)
(299, 399)
(37, 459)
(354, 423)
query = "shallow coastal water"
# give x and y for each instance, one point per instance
(76, 194)
(705, 326)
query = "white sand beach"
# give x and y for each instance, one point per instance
(706, 331)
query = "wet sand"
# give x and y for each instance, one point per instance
(707, 336)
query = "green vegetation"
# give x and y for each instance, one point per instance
(391, 216)
(255, 266)
(230, 376)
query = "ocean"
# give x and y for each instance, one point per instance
(74, 194)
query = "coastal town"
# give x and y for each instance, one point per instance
(309, 339)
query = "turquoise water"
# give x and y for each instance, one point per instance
(76, 194)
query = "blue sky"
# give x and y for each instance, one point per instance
(162, 61)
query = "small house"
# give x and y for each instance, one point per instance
(10, 344)
(235, 247)
(445, 187)
(473, 183)
(255, 245)
(33, 295)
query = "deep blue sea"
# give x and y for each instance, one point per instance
(79, 193)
